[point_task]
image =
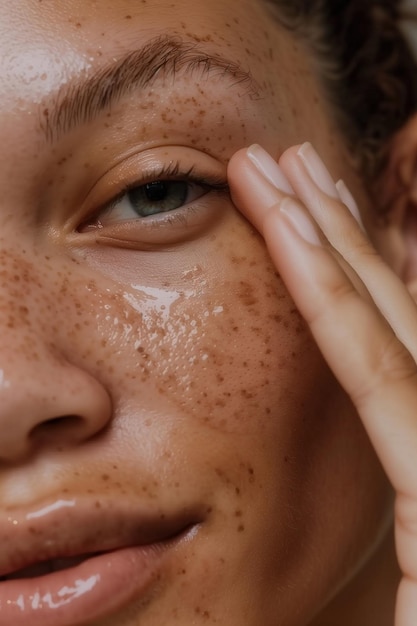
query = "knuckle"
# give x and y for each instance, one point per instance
(395, 361)
(365, 249)
(334, 296)
(389, 364)
(357, 245)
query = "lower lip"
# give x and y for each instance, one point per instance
(92, 590)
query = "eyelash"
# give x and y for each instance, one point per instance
(172, 171)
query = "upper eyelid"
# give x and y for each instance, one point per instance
(172, 171)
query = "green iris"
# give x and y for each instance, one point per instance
(158, 196)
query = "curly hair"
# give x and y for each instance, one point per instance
(365, 65)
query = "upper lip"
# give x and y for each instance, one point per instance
(85, 528)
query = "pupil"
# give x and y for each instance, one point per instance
(156, 191)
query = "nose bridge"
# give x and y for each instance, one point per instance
(43, 397)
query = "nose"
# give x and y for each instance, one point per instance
(51, 403)
(48, 397)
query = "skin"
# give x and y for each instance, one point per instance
(378, 334)
(188, 375)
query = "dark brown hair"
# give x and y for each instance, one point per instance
(365, 64)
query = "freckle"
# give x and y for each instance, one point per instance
(128, 17)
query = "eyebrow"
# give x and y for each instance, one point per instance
(81, 101)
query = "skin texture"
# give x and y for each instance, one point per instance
(172, 353)
(316, 224)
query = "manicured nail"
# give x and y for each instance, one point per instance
(348, 200)
(317, 170)
(269, 168)
(300, 221)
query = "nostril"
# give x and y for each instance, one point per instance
(59, 405)
(64, 429)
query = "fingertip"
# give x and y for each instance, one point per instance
(349, 201)
(269, 168)
(288, 160)
(238, 174)
(236, 163)
(257, 183)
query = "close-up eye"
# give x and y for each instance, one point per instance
(158, 196)
(155, 198)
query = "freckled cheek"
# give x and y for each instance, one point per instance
(245, 351)
(227, 349)
(223, 345)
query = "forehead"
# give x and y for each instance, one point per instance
(54, 48)
(45, 43)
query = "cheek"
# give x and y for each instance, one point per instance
(240, 351)
(225, 345)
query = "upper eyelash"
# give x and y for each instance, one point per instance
(171, 171)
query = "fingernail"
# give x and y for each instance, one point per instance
(300, 221)
(317, 170)
(269, 168)
(348, 200)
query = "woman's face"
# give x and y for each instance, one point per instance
(157, 386)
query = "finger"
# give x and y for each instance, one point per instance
(370, 362)
(257, 197)
(406, 609)
(367, 358)
(314, 186)
(406, 545)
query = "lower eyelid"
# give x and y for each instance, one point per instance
(156, 232)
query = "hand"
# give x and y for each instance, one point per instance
(354, 305)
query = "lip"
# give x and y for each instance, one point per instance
(125, 550)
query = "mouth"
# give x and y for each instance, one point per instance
(46, 567)
(74, 565)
